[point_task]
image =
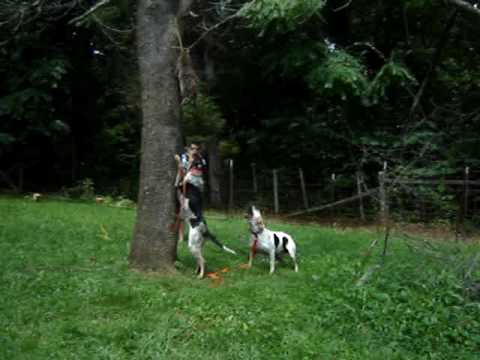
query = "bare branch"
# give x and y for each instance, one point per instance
(435, 60)
(344, 6)
(214, 27)
(16, 14)
(466, 6)
(100, 23)
(371, 47)
(94, 8)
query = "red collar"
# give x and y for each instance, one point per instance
(254, 245)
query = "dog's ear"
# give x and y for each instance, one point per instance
(249, 212)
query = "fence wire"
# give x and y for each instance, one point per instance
(451, 200)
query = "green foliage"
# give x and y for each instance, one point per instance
(68, 293)
(48, 72)
(202, 118)
(109, 14)
(279, 16)
(84, 189)
(295, 58)
(6, 139)
(124, 202)
(391, 74)
(30, 100)
(339, 75)
(228, 148)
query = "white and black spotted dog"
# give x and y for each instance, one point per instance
(274, 243)
(197, 233)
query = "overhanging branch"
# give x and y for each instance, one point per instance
(466, 6)
(89, 11)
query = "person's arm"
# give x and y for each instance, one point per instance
(179, 176)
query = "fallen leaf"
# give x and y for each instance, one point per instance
(213, 275)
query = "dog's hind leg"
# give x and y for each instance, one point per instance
(195, 245)
(292, 255)
(197, 254)
(201, 266)
(291, 249)
(295, 265)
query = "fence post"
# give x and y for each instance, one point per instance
(304, 189)
(254, 178)
(230, 193)
(275, 191)
(465, 210)
(333, 178)
(359, 191)
(383, 195)
(383, 198)
(382, 177)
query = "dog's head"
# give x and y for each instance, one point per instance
(255, 220)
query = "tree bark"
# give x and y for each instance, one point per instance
(154, 244)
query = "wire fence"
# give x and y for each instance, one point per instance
(372, 197)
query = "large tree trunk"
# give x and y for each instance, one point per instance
(154, 244)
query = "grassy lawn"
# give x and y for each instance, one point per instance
(67, 293)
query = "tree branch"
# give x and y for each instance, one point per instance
(435, 60)
(214, 27)
(89, 11)
(466, 6)
(344, 6)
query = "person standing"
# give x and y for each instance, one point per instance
(193, 165)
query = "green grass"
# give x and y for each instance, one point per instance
(67, 293)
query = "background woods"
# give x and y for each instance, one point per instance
(326, 86)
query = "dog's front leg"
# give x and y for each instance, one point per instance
(272, 261)
(251, 255)
(253, 251)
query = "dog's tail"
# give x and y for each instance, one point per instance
(214, 239)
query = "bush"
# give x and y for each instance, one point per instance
(84, 189)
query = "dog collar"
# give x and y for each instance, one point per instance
(254, 245)
(256, 233)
